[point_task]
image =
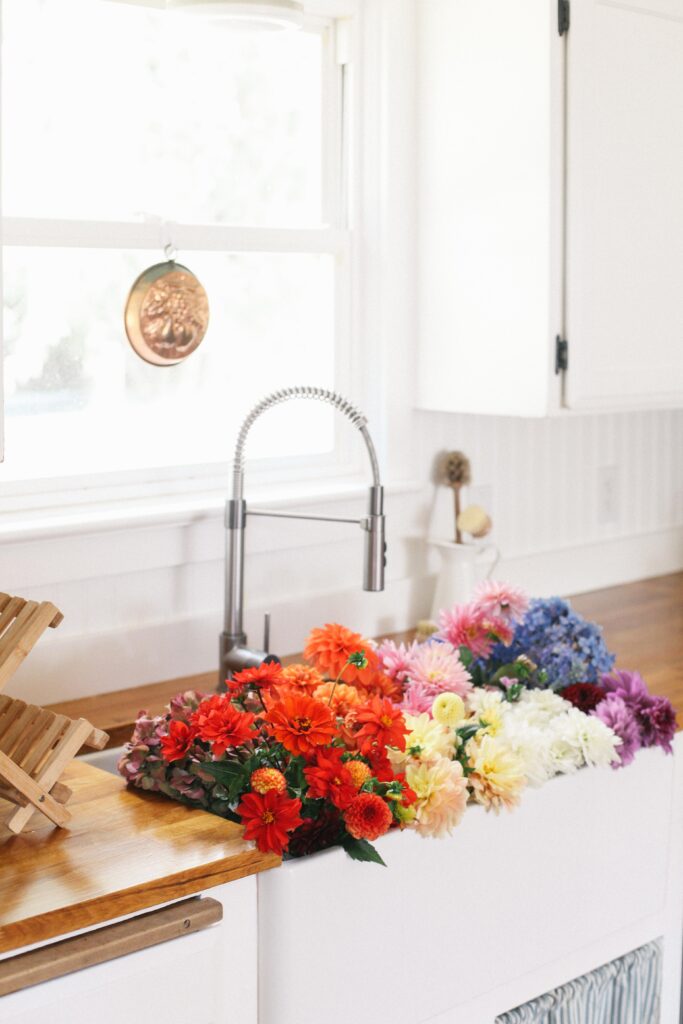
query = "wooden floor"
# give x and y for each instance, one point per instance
(642, 622)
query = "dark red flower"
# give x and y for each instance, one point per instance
(316, 833)
(584, 696)
(174, 747)
(268, 819)
(330, 779)
(221, 724)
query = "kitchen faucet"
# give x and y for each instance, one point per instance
(234, 653)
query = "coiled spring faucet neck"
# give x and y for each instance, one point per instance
(234, 654)
(332, 398)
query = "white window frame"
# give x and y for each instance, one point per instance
(205, 484)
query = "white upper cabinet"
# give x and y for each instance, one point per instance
(549, 205)
(625, 203)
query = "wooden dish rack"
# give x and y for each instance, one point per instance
(35, 745)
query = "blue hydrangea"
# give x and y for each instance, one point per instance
(566, 647)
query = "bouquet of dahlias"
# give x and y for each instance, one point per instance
(299, 758)
(360, 738)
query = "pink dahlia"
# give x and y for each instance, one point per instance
(467, 626)
(417, 699)
(501, 601)
(395, 659)
(437, 667)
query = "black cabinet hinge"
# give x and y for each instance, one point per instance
(561, 354)
(562, 16)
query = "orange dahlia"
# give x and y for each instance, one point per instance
(340, 698)
(331, 647)
(359, 772)
(381, 724)
(367, 817)
(265, 779)
(301, 723)
(329, 779)
(384, 686)
(268, 818)
(305, 676)
(221, 724)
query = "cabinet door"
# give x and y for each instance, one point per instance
(624, 312)
(489, 152)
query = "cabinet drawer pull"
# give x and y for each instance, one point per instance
(104, 944)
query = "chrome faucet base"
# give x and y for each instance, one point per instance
(234, 656)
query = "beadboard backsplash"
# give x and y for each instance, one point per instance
(564, 482)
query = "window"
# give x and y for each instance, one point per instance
(128, 129)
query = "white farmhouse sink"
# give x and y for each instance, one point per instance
(457, 931)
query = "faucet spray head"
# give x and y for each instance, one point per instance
(375, 559)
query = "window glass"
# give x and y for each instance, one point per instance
(78, 399)
(116, 112)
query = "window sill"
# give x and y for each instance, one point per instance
(116, 515)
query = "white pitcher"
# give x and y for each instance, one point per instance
(463, 566)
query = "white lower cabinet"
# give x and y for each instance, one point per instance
(208, 977)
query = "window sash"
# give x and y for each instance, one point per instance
(333, 237)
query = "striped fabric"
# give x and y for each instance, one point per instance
(626, 991)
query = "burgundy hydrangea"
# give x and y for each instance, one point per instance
(616, 714)
(584, 696)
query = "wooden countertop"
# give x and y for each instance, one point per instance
(122, 852)
(642, 622)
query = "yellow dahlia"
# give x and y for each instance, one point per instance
(428, 739)
(448, 709)
(497, 777)
(489, 709)
(441, 790)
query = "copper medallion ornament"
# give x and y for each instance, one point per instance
(167, 314)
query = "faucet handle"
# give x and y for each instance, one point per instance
(266, 632)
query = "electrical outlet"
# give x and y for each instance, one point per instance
(608, 495)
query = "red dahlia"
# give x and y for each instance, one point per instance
(179, 739)
(221, 724)
(381, 723)
(264, 677)
(268, 818)
(367, 817)
(330, 779)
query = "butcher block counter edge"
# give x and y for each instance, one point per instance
(122, 852)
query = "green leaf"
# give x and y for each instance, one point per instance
(466, 732)
(361, 849)
(466, 656)
(230, 774)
